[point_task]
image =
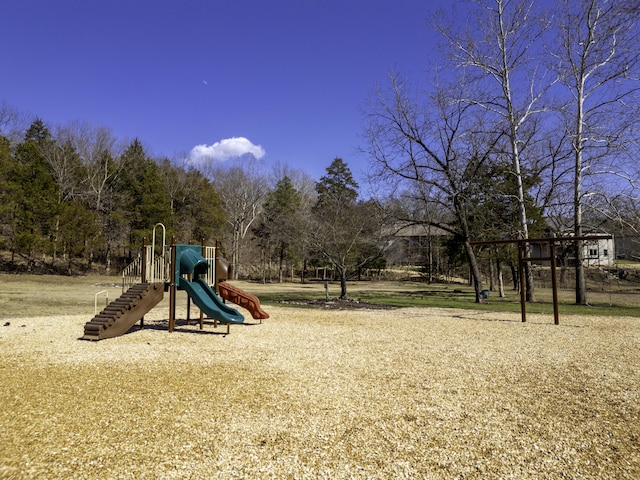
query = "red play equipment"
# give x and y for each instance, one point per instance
(196, 269)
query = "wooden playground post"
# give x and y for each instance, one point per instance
(172, 287)
(554, 282)
(188, 305)
(143, 275)
(204, 254)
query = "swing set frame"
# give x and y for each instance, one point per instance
(553, 243)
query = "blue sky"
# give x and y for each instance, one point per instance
(289, 76)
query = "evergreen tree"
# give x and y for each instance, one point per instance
(34, 193)
(145, 197)
(7, 201)
(337, 188)
(281, 228)
(80, 234)
(202, 209)
(195, 210)
(494, 213)
(340, 226)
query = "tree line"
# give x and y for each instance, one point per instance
(527, 127)
(79, 195)
(77, 198)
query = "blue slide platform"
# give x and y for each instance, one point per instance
(207, 301)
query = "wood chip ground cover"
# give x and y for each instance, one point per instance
(404, 393)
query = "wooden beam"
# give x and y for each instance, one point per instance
(552, 241)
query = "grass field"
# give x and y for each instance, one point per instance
(412, 392)
(34, 295)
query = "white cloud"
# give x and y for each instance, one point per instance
(225, 149)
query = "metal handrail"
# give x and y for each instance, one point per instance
(157, 266)
(95, 301)
(131, 274)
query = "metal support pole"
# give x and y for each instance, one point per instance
(203, 252)
(143, 275)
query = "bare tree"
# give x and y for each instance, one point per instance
(597, 59)
(300, 179)
(428, 147)
(65, 165)
(99, 152)
(13, 123)
(241, 189)
(100, 155)
(343, 229)
(497, 44)
(65, 162)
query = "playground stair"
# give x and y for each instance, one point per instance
(123, 313)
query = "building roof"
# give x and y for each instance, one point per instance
(417, 230)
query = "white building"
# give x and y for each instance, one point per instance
(599, 252)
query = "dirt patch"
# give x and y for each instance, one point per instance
(337, 304)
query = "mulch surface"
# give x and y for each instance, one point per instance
(323, 393)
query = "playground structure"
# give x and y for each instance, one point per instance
(552, 245)
(196, 269)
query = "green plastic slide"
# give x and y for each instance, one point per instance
(207, 301)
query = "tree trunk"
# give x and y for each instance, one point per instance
(430, 257)
(528, 272)
(475, 271)
(492, 275)
(303, 272)
(581, 288)
(343, 284)
(528, 277)
(108, 258)
(514, 277)
(581, 283)
(281, 265)
(235, 254)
